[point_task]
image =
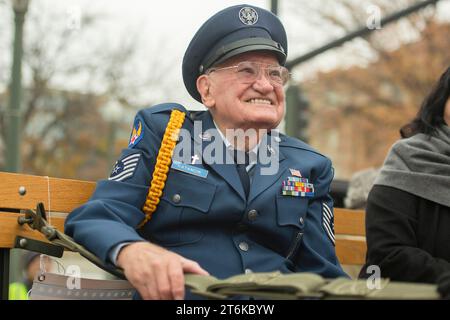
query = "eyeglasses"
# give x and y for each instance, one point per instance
(249, 72)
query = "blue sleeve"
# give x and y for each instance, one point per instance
(114, 252)
(318, 252)
(113, 212)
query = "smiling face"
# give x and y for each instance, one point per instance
(236, 104)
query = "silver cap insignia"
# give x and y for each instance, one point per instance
(248, 16)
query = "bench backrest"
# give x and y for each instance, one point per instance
(61, 196)
(350, 232)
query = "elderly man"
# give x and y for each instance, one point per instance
(220, 202)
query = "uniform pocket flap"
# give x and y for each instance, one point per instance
(291, 210)
(184, 190)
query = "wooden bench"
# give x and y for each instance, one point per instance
(60, 196)
(350, 232)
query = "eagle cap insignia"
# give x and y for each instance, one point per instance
(248, 16)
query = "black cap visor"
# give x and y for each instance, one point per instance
(241, 46)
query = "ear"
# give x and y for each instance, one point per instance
(203, 87)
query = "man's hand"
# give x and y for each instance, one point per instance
(156, 272)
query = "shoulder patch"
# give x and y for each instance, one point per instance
(137, 133)
(125, 167)
(328, 222)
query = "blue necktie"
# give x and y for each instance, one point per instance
(242, 160)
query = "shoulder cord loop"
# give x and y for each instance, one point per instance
(163, 161)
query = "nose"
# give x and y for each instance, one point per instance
(262, 83)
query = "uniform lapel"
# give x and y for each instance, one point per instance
(201, 139)
(262, 182)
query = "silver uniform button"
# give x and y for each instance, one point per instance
(277, 139)
(247, 271)
(252, 215)
(243, 246)
(176, 198)
(301, 221)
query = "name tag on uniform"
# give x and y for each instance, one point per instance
(199, 172)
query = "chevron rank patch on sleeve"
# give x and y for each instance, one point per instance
(125, 167)
(328, 222)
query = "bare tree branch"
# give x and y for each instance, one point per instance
(64, 128)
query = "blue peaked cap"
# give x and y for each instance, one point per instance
(230, 32)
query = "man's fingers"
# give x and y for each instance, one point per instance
(190, 266)
(145, 285)
(176, 277)
(155, 272)
(163, 283)
(148, 292)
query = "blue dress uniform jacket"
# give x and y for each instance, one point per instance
(209, 220)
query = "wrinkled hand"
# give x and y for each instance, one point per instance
(156, 272)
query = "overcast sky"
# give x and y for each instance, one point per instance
(167, 26)
(177, 20)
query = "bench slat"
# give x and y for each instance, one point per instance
(349, 222)
(351, 252)
(65, 194)
(10, 229)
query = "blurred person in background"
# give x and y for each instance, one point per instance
(408, 209)
(31, 262)
(359, 187)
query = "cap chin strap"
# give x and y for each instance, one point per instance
(240, 46)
